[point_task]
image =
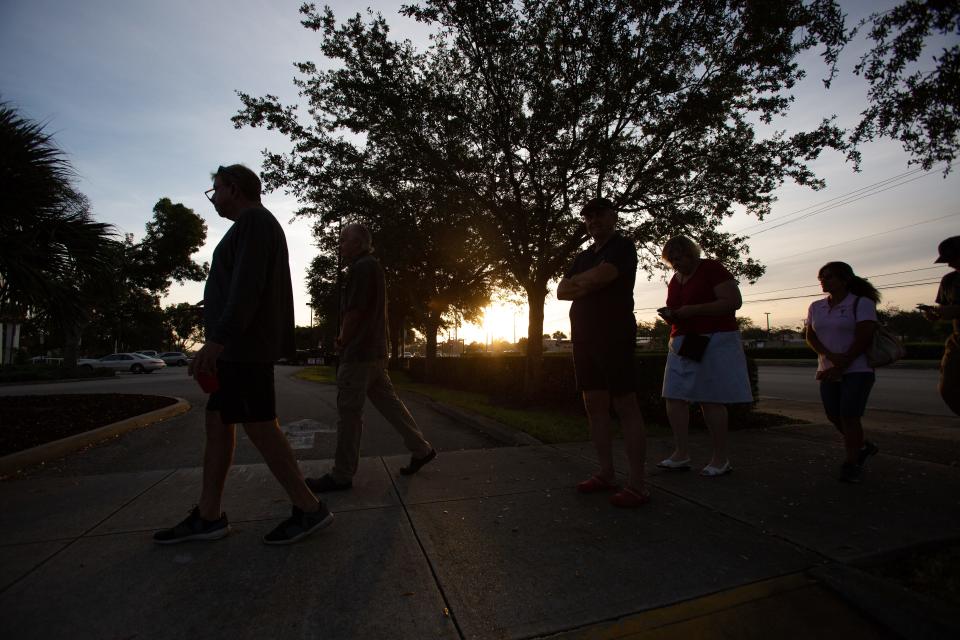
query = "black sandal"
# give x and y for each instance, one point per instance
(326, 483)
(417, 463)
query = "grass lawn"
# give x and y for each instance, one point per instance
(552, 425)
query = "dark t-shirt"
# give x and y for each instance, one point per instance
(248, 298)
(699, 290)
(949, 294)
(606, 315)
(366, 291)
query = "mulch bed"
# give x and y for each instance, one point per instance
(933, 571)
(28, 421)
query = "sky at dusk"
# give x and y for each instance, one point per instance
(140, 95)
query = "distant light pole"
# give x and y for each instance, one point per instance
(767, 313)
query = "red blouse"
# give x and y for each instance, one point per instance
(699, 290)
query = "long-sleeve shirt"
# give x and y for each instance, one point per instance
(248, 298)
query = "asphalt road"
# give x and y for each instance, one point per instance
(909, 390)
(178, 442)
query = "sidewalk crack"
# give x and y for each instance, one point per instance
(86, 533)
(416, 535)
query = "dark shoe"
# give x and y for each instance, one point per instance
(326, 483)
(417, 463)
(593, 484)
(868, 449)
(194, 528)
(850, 473)
(627, 498)
(299, 525)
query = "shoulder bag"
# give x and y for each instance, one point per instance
(885, 348)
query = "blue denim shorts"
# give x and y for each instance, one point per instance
(848, 397)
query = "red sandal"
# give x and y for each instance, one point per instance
(628, 498)
(593, 484)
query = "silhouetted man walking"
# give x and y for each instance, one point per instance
(362, 373)
(248, 320)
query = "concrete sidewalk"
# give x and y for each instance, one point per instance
(491, 543)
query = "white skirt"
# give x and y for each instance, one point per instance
(721, 377)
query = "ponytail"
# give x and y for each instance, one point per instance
(855, 284)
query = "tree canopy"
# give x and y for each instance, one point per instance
(51, 248)
(914, 89)
(520, 112)
(128, 315)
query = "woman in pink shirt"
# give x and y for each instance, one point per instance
(840, 328)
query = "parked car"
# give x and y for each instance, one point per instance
(133, 362)
(175, 358)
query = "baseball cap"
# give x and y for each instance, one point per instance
(598, 204)
(949, 249)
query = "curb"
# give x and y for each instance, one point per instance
(59, 448)
(496, 430)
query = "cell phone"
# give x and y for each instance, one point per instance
(665, 312)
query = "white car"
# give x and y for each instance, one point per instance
(133, 362)
(175, 358)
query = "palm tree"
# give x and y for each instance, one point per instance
(51, 249)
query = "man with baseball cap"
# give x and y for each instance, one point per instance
(948, 308)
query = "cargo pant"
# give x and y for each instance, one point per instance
(950, 373)
(356, 381)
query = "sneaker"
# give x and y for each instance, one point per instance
(194, 528)
(326, 483)
(866, 451)
(851, 473)
(299, 525)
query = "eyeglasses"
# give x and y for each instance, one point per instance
(210, 193)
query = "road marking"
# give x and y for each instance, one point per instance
(301, 434)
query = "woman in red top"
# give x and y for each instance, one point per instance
(706, 363)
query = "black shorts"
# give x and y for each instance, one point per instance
(246, 392)
(605, 367)
(847, 398)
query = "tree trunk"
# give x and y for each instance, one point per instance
(395, 330)
(71, 341)
(430, 328)
(533, 379)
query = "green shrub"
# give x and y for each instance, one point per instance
(782, 353)
(915, 351)
(924, 351)
(502, 379)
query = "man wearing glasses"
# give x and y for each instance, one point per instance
(248, 323)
